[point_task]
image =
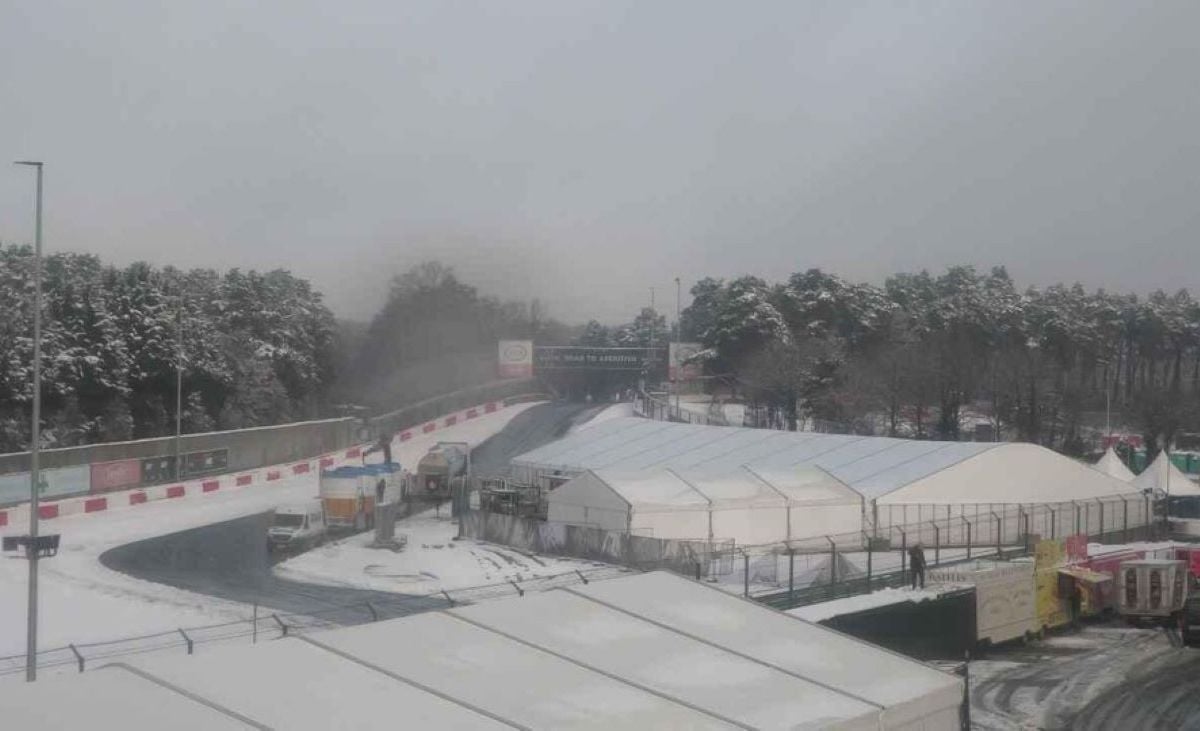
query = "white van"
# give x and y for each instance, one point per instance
(296, 527)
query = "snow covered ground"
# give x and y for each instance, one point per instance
(432, 562)
(82, 601)
(699, 404)
(616, 411)
(862, 602)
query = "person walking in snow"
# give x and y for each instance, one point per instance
(916, 560)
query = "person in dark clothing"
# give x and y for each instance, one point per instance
(383, 445)
(380, 487)
(1076, 602)
(916, 560)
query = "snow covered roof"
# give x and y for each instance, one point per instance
(646, 651)
(693, 488)
(891, 470)
(1162, 475)
(1111, 465)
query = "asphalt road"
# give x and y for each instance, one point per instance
(230, 561)
(1105, 677)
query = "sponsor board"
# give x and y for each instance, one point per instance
(55, 482)
(115, 475)
(516, 358)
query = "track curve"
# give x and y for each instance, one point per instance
(229, 560)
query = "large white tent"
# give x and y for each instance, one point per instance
(628, 465)
(1111, 465)
(645, 651)
(746, 505)
(1164, 477)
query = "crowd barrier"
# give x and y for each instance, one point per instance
(107, 498)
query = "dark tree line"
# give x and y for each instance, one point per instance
(255, 349)
(435, 334)
(925, 355)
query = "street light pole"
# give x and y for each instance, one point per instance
(179, 389)
(678, 341)
(36, 436)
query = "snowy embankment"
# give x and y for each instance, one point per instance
(616, 411)
(432, 562)
(82, 601)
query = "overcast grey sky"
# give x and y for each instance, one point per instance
(586, 151)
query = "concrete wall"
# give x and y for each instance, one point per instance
(247, 448)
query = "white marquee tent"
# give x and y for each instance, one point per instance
(631, 466)
(1163, 476)
(1111, 465)
(646, 651)
(749, 506)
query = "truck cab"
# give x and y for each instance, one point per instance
(296, 527)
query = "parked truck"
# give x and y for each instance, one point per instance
(296, 528)
(348, 497)
(441, 465)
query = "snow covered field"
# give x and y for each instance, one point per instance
(432, 562)
(82, 601)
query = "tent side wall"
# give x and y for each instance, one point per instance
(589, 501)
(825, 519)
(684, 524)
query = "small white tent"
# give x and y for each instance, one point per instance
(1163, 476)
(1111, 465)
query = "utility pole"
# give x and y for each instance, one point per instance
(36, 437)
(179, 389)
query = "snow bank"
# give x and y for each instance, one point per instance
(863, 602)
(616, 411)
(432, 562)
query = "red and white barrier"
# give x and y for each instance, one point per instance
(138, 496)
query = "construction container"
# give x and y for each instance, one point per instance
(1151, 589)
(348, 494)
(1005, 603)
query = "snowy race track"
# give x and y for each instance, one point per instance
(82, 600)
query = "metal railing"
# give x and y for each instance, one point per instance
(265, 624)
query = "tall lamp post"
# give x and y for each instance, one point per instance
(179, 389)
(32, 550)
(678, 340)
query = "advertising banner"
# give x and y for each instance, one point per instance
(107, 476)
(210, 462)
(1076, 547)
(516, 358)
(55, 483)
(548, 358)
(680, 355)
(158, 469)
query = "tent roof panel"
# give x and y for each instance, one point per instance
(653, 489)
(251, 679)
(739, 487)
(1164, 476)
(516, 682)
(108, 697)
(726, 684)
(1012, 473)
(1111, 465)
(806, 649)
(806, 484)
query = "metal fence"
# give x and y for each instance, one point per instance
(665, 410)
(264, 624)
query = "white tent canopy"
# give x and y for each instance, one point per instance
(751, 506)
(645, 651)
(1163, 476)
(1012, 474)
(1111, 465)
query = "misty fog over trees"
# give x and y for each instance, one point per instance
(922, 356)
(914, 356)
